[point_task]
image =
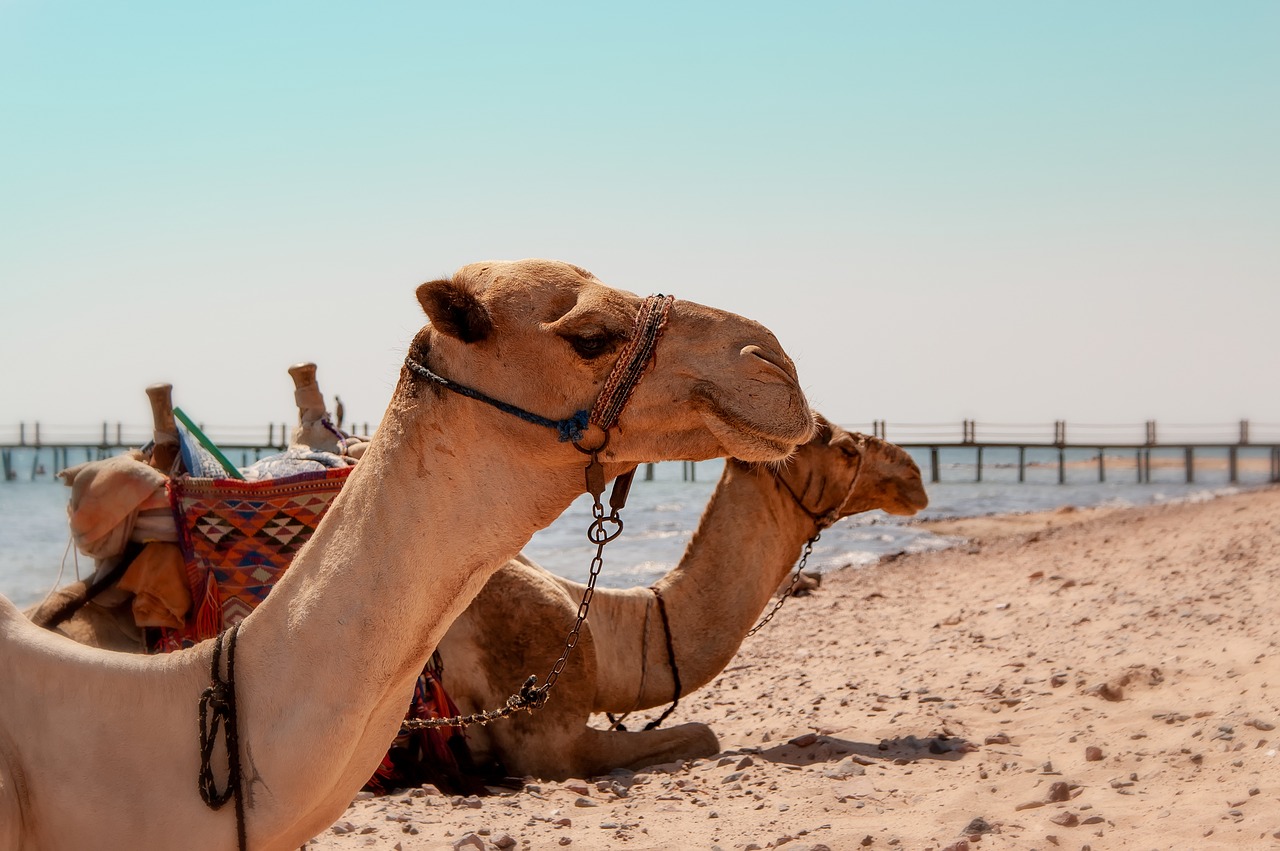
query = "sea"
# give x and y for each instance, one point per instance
(662, 513)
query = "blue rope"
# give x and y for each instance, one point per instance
(570, 428)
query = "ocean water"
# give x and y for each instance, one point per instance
(662, 514)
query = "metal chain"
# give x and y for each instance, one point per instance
(795, 578)
(603, 529)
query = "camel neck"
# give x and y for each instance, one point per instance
(399, 556)
(748, 540)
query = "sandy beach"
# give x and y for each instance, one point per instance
(1088, 679)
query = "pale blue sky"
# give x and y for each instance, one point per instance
(1014, 211)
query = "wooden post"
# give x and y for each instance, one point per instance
(6, 459)
(933, 464)
(1232, 464)
(1062, 466)
(648, 472)
(978, 472)
(1102, 463)
(1022, 463)
(1191, 464)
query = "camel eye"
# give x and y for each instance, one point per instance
(591, 346)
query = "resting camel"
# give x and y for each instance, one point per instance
(100, 749)
(747, 540)
(750, 536)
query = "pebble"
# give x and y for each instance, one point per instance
(1059, 792)
(470, 840)
(1066, 819)
(1092, 753)
(505, 841)
(585, 802)
(804, 741)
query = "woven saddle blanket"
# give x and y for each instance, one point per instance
(237, 539)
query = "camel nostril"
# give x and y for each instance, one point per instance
(772, 358)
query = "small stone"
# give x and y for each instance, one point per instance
(1093, 820)
(1066, 819)
(804, 741)
(585, 802)
(997, 739)
(563, 822)
(978, 825)
(342, 827)
(467, 841)
(745, 762)
(578, 787)
(1029, 805)
(962, 845)
(867, 840)
(505, 841)
(1059, 792)
(472, 802)
(564, 840)
(1092, 753)
(1259, 724)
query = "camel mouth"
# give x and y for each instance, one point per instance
(746, 438)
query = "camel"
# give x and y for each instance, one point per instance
(100, 749)
(750, 535)
(836, 474)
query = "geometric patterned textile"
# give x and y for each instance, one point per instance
(237, 538)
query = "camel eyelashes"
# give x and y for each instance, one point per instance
(592, 346)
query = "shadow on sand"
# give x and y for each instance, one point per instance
(810, 749)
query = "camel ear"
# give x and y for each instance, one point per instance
(454, 310)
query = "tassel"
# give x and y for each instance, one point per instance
(209, 617)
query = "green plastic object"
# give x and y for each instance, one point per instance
(208, 444)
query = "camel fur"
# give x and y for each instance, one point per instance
(99, 749)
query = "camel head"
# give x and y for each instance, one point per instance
(838, 473)
(544, 336)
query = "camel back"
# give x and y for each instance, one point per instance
(237, 539)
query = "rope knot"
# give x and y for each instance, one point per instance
(572, 428)
(532, 696)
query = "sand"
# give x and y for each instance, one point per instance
(1097, 679)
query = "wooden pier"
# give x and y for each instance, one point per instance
(25, 449)
(1176, 453)
(32, 446)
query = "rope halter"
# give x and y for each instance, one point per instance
(627, 371)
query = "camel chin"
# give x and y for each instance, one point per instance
(742, 438)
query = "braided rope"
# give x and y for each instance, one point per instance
(218, 708)
(634, 360)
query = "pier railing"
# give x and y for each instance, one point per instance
(972, 439)
(1103, 441)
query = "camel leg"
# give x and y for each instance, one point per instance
(600, 751)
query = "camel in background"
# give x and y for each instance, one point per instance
(749, 537)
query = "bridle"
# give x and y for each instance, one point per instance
(217, 703)
(632, 363)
